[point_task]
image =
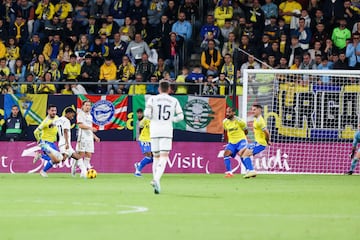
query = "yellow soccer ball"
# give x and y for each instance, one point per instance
(91, 173)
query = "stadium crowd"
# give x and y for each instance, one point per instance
(120, 42)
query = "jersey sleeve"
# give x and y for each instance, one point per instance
(66, 125)
(262, 124)
(356, 139)
(80, 118)
(179, 112)
(224, 123)
(148, 109)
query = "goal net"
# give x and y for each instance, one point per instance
(312, 116)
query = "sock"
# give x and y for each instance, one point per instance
(160, 168)
(155, 163)
(52, 151)
(227, 163)
(87, 162)
(353, 164)
(243, 162)
(248, 164)
(81, 165)
(48, 165)
(144, 162)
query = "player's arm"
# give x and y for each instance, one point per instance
(96, 138)
(84, 127)
(148, 109)
(66, 136)
(354, 144)
(179, 115)
(267, 135)
(243, 126)
(38, 131)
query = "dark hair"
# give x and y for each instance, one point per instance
(139, 110)
(257, 106)
(85, 101)
(51, 106)
(164, 86)
(69, 110)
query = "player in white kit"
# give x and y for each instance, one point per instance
(162, 110)
(86, 135)
(64, 131)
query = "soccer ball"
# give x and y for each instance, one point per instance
(91, 173)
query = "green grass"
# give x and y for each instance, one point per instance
(189, 207)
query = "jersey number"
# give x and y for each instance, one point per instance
(164, 112)
(60, 130)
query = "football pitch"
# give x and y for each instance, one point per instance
(121, 206)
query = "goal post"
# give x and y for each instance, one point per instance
(312, 116)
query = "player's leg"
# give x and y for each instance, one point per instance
(79, 162)
(146, 150)
(230, 149)
(155, 148)
(354, 162)
(251, 150)
(51, 154)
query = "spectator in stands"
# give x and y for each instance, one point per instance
(100, 10)
(320, 35)
(222, 12)
(171, 11)
(63, 9)
(228, 68)
(272, 29)
(315, 50)
(117, 49)
(205, 43)
(72, 69)
(275, 51)
(53, 49)
(264, 48)
(303, 33)
(136, 11)
(46, 87)
(119, 10)
(210, 87)
(81, 16)
(340, 35)
(239, 29)
(163, 30)
(56, 75)
(318, 18)
(353, 52)
(155, 10)
(4, 33)
(250, 64)
(195, 77)
(27, 11)
(325, 65)
(15, 125)
(294, 50)
(12, 53)
(351, 14)
(108, 74)
(256, 16)
(183, 29)
(19, 30)
(138, 88)
(244, 47)
(307, 20)
(89, 73)
(223, 84)
(136, 48)
(111, 28)
(82, 47)
(283, 63)
(52, 27)
(209, 27)
(4, 70)
(67, 52)
(296, 63)
(226, 30)
(92, 29)
(288, 9)
(145, 29)
(191, 11)
(29, 88)
(153, 88)
(356, 28)
(181, 78)
(145, 68)
(8, 10)
(127, 31)
(45, 11)
(211, 59)
(283, 28)
(329, 48)
(125, 72)
(230, 45)
(97, 51)
(342, 62)
(19, 71)
(270, 10)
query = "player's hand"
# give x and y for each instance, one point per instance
(97, 139)
(94, 129)
(269, 143)
(66, 146)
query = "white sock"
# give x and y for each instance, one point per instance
(160, 168)
(87, 162)
(81, 165)
(154, 164)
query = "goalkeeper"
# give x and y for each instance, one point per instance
(355, 155)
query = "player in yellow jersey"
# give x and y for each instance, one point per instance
(236, 129)
(262, 139)
(46, 135)
(143, 132)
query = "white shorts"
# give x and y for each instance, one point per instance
(161, 144)
(85, 146)
(70, 151)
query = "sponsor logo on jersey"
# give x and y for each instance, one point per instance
(102, 112)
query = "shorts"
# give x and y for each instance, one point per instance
(85, 145)
(145, 147)
(255, 147)
(161, 144)
(70, 151)
(236, 147)
(45, 156)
